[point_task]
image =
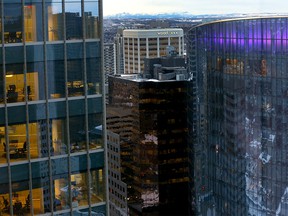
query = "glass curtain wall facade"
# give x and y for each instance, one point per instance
(51, 154)
(153, 147)
(240, 84)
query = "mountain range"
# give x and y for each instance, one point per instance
(178, 15)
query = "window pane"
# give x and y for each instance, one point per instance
(41, 187)
(79, 189)
(77, 134)
(98, 186)
(20, 189)
(54, 20)
(35, 81)
(61, 194)
(13, 23)
(56, 79)
(91, 19)
(73, 20)
(33, 21)
(75, 82)
(59, 136)
(95, 131)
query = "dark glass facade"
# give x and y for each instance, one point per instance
(151, 120)
(239, 116)
(51, 158)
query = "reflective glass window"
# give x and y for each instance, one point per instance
(93, 68)
(15, 86)
(54, 16)
(59, 136)
(61, 184)
(75, 70)
(93, 75)
(33, 21)
(73, 17)
(41, 139)
(13, 27)
(20, 189)
(95, 131)
(91, 15)
(75, 82)
(77, 133)
(4, 191)
(14, 74)
(41, 193)
(3, 146)
(98, 186)
(18, 143)
(79, 189)
(56, 79)
(55, 70)
(37, 131)
(35, 81)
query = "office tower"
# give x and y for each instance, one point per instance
(239, 74)
(117, 188)
(149, 43)
(151, 115)
(119, 56)
(109, 60)
(51, 158)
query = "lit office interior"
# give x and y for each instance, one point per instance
(33, 71)
(78, 192)
(50, 108)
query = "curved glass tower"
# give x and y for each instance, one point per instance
(240, 90)
(51, 108)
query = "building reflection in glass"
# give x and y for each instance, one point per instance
(239, 79)
(51, 153)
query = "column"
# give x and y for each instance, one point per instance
(139, 61)
(158, 47)
(180, 46)
(128, 57)
(133, 54)
(147, 48)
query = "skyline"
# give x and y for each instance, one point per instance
(110, 7)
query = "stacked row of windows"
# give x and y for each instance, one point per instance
(34, 80)
(249, 29)
(29, 21)
(33, 144)
(254, 36)
(61, 192)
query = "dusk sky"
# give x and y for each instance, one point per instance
(195, 6)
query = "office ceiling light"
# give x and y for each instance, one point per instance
(9, 74)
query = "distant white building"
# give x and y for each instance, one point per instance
(117, 188)
(148, 43)
(109, 60)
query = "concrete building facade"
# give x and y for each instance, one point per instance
(149, 43)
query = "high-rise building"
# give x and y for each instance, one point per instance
(51, 159)
(239, 116)
(150, 117)
(119, 56)
(117, 188)
(149, 43)
(109, 60)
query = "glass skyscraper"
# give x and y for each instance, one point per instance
(240, 91)
(51, 154)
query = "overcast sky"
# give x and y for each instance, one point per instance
(195, 6)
